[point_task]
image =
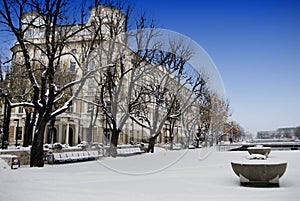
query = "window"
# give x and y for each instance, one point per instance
(57, 67)
(43, 54)
(138, 135)
(19, 133)
(121, 137)
(72, 66)
(90, 107)
(29, 33)
(20, 110)
(91, 83)
(74, 51)
(71, 108)
(92, 65)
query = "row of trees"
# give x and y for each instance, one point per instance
(233, 131)
(149, 86)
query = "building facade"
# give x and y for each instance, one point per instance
(280, 133)
(81, 122)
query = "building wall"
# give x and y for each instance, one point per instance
(74, 126)
(280, 133)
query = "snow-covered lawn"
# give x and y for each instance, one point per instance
(166, 175)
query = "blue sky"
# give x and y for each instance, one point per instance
(256, 48)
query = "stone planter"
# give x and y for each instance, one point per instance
(259, 172)
(259, 150)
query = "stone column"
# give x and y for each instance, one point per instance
(60, 132)
(67, 133)
(76, 134)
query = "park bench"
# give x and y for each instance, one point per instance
(75, 156)
(128, 151)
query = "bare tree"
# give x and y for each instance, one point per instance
(172, 87)
(6, 118)
(5, 97)
(190, 121)
(101, 45)
(40, 31)
(218, 115)
(119, 89)
(110, 96)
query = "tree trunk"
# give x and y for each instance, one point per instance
(151, 144)
(114, 142)
(171, 142)
(188, 142)
(37, 151)
(197, 143)
(6, 122)
(91, 126)
(29, 123)
(52, 123)
(172, 124)
(26, 141)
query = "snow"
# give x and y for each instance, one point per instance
(198, 174)
(257, 147)
(269, 161)
(257, 157)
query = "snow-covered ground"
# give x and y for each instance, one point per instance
(200, 174)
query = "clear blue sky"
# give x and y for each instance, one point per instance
(255, 45)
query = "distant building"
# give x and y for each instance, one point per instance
(280, 133)
(266, 134)
(287, 132)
